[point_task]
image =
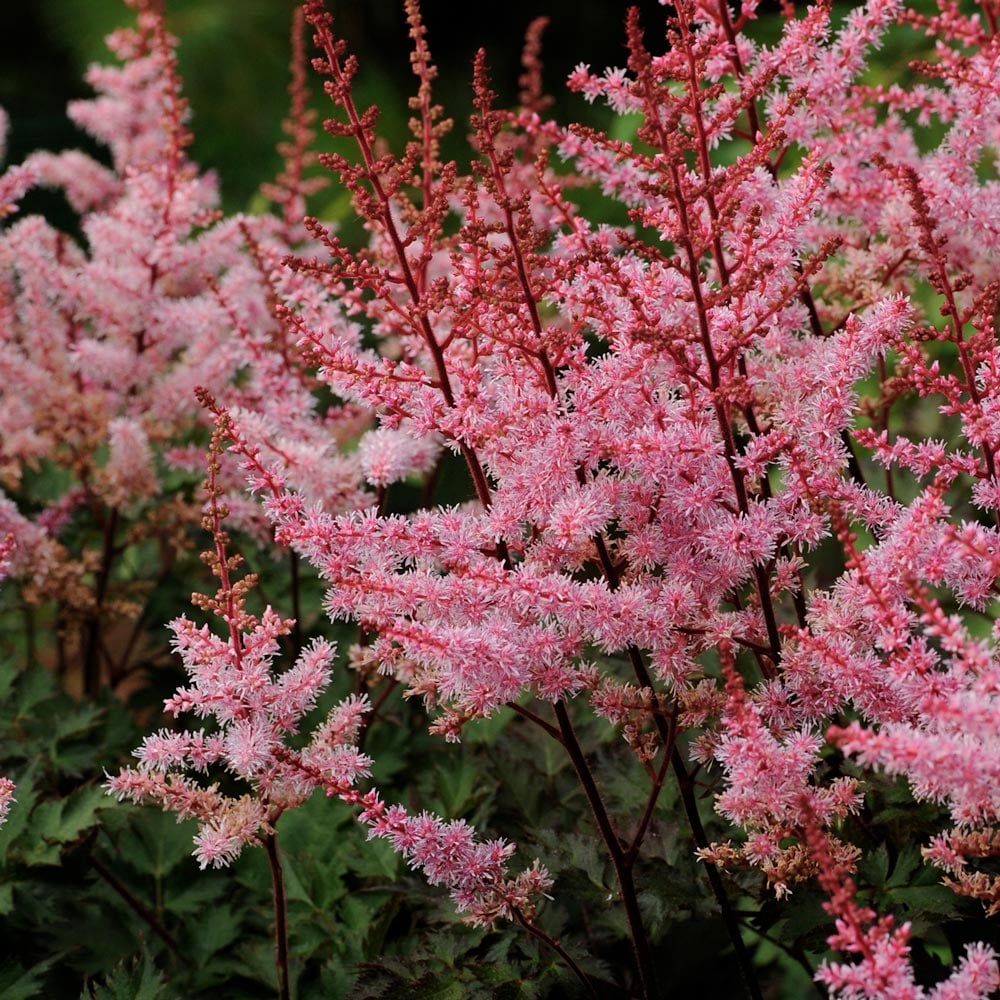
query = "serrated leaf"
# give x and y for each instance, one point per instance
(156, 843)
(449, 991)
(374, 939)
(256, 961)
(296, 880)
(486, 732)
(804, 918)
(356, 915)
(500, 949)
(584, 854)
(446, 948)
(139, 982)
(938, 900)
(378, 860)
(908, 862)
(217, 928)
(75, 760)
(455, 785)
(77, 722)
(17, 983)
(62, 821)
(874, 866)
(335, 981)
(192, 898)
(34, 687)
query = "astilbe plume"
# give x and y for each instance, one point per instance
(7, 787)
(881, 946)
(104, 339)
(662, 422)
(255, 710)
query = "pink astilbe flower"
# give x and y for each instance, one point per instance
(234, 684)
(254, 710)
(130, 470)
(705, 491)
(882, 948)
(449, 854)
(390, 455)
(104, 342)
(660, 434)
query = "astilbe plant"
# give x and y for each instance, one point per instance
(663, 422)
(103, 339)
(254, 711)
(7, 787)
(668, 427)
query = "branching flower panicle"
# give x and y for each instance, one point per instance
(729, 446)
(254, 711)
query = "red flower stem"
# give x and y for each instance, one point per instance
(280, 916)
(623, 870)
(92, 650)
(388, 221)
(536, 719)
(552, 943)
(647, 815)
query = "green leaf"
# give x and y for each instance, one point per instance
(805, 919)
(295, 881)
(77, 722)
(486, 732)
(156, 843)
(378, 860)
(455, 785)
(139, 982)
(18, 984)
(937, 900)
(34, 687)
(76, 759)
(874, 866)
(907, 864)
(193, 898)
(218, 928)
(335, 981)
(61, 821)
(584, 854)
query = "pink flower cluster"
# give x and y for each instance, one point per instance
(705, 492)
(449, 855)
(883, 948)
(104, 340)
(660, 433)
(254, 711)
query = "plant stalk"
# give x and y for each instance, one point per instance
(623, 870)
(280, 916)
